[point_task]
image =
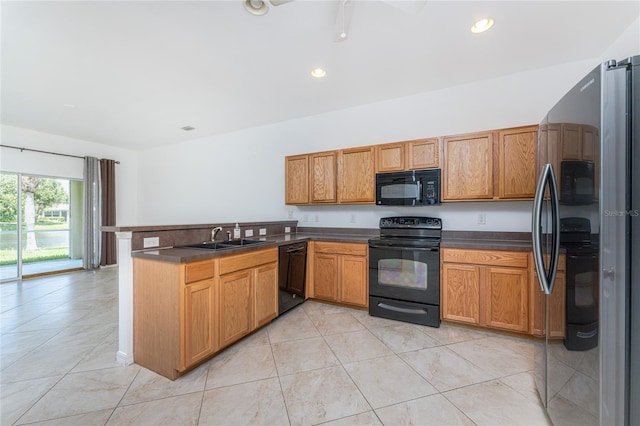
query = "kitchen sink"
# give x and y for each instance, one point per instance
(207, 246)
(223, 244)
(242, 242)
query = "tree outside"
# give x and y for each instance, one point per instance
(38, 195)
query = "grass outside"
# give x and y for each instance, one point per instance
(8, 257)
(42, 225)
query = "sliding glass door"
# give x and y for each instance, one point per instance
(47, 214)
(9, 226)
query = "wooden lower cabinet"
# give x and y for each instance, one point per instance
(185, 313)
(200, 321)
(174, 314)
(340, 273)
(486, 287)
(265, 294)
(460, 293)
(506, 298)
(235, 306)
(557, 304)
(248, 293)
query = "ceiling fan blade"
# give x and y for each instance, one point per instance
(279, 2)
(343, 19)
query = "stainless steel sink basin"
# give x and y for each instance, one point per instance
(222, 245)
(242, 242)
(207, 246)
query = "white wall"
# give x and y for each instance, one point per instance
(12, 160)
(240, 176)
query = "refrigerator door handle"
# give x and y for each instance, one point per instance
(555, 230)
(545, 279)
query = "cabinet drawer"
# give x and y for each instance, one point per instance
(353, 249)
(198, 271)
(239, 262)
(513, 259)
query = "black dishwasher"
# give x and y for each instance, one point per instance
(292, 268)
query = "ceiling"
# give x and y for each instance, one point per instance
(131, 74)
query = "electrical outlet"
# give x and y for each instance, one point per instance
(151, 242)
(353, 218)
(290, 214)
(287, 229)
(317, 218)
(482, 219)
(248, 233)
(305, 218)
(263, 231)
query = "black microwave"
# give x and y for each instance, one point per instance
(577, 185)
(413, 188)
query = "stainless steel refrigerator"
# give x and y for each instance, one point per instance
(586, 238)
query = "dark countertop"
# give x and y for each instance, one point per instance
(515, 241)
(183, 255)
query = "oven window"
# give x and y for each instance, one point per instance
(402, 273)
(403, 190)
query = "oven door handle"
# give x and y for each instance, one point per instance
(403, 248)
(402, 310)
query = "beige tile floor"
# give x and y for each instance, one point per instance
(316, 364)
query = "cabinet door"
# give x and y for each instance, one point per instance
(390, 157)
(200, 321)
(325, 276)
(557, 308)
(423, 154)
(353, 280)
(236, 297)
(571, 148)
(460, 292)
(468, 167)
(297, 179)
(266, 294)
(356, 176)
(506, 298)
(323, 177)
(589, 138)
(517, 162)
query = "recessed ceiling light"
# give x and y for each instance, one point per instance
(187, 128)
(318, 72)
(482, 25)
(68, 105)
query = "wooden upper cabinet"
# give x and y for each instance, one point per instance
(571, 148)
(297, 179)
(390, 157)
(323, 177)
(468, 167)
(590, 143)
(516, 162)
(579, 142)
(423, 154)
(356, 175)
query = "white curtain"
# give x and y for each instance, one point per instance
(92, 220)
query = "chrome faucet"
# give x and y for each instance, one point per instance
(214, 232)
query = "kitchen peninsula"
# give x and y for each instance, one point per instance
(180, 286)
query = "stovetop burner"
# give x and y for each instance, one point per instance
(409, 228)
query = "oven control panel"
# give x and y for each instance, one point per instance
(411, 222)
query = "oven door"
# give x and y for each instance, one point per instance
(404, 272)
